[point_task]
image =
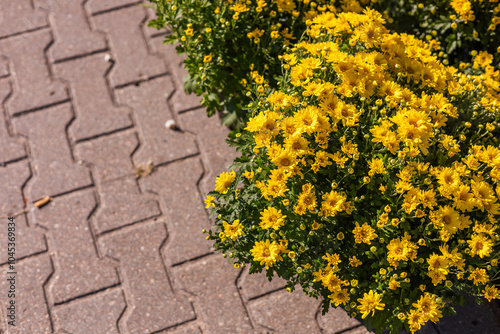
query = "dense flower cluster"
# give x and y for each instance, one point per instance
(370, 176)
(222, 39)
(457, 29)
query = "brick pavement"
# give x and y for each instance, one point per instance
(85, 90)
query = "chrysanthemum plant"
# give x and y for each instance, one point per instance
(370, 177)
(225, 40)
(457, 29)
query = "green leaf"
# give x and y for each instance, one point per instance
(229, 119)
(189, 85)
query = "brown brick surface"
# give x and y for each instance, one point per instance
(12, 178)
(158, 143)
(152, 304)
(109, 156)
(11, 148)
(54, 171)
(286, 312)
(33, 85)
(78, 270)
(96, 113)
(189, 328)
(96, 6)
(152, 32)
(211, 137)
(29, 240)
(336, 320)
(123, 204)
(18, 16)
(4, 67)
(31, 312)
(183, 206)
(217, 303)
(257, 284)
(179, 101)
(94, 314)
(72, 34)
(133, 62)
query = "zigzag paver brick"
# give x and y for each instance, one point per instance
(336, 320)
(54, 170)
(217, 303)
(4, 68)
(72, 34)
(109, 156)
(269, 311)
(33, 85)
(95, 111)
(180, 101)
(122, 204)
(189, 329)
(133, 61)
(29, 240)
(95, 314)
(176, 185)
(19, 16)
(152, 32)
(11, 148)
(158, 144)
(210, 135)
(97, 6)
(78, 270)
(257, 284)
(152, 305)
(32, 315)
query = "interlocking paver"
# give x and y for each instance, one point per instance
(54, 170)
(210, 135)
(180, 101)
(257, 284)
(123, 204)
(336, 320)
(269, 311)
(31, 312)
(29, 240)
(97, 6)
(78, 270)
(18, 16)
(109, 156)
(33, 85)
(133, 62)
(11, 148)
(217, 303)
(95, 111)
(12, 178)
(183, 206)
(153, 32)
(152, 304)
(4, 68)
(72, 34)
(183, 329)
(95, 314)
(149, 102)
